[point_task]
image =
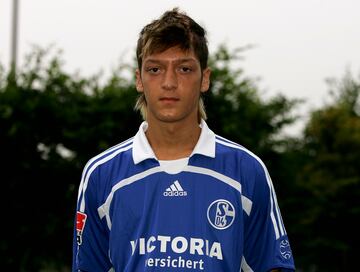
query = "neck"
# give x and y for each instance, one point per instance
(171, 141)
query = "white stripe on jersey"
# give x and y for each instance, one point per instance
(246, 203)
(95, 158)
(281, 224)
(94, 166)
(205, 171)
(244, 266)
(277, 221)
(104, 209)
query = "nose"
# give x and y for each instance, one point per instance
(170, 80)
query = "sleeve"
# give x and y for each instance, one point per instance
(266, 243)
(91, 235)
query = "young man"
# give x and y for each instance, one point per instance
(177, 197)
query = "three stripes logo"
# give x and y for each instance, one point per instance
(175, 189)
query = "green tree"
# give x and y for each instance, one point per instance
(330, 180)
(236, 109)
(51, 122)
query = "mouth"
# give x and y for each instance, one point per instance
(169, 99)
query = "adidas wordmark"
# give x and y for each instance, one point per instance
(175, 189)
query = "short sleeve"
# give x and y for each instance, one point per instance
(91, 236)
(266, 242)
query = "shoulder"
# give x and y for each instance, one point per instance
(244, 156)
(97, 169)
(244, 165)
(109, 156)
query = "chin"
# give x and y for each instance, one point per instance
(169, 118)
(166, 116)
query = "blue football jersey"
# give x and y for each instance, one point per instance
(214, 211)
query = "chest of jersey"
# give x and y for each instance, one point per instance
(183, 221)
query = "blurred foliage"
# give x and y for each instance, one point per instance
(235, 107)
(330, 179)
(52, 122)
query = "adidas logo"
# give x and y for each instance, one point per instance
(175, 189)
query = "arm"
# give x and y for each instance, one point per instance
(90, 243)
(266, 243)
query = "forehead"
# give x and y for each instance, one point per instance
(172, 54)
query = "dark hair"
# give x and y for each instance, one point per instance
(174, 28)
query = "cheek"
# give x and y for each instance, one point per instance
(151, 84)
(148, 88)
(193, 98)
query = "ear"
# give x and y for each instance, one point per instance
(205, 83)
(138, 83)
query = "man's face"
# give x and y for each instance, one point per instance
(172, 82)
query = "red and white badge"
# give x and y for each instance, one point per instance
(80, 225)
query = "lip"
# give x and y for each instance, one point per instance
(169, 99)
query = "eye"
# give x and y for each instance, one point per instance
(185, 69)
(153, 70)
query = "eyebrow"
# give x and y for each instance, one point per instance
(176, 61)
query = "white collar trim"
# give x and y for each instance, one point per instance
(142, 149)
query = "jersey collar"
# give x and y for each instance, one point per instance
(142, 149)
